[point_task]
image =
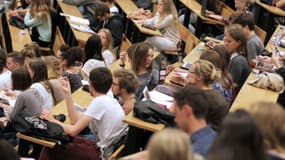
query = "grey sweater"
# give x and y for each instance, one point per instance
(166, 26)
(239, 69)
(27, 104)
(254, 47)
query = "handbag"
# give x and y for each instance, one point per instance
(153, 113)
(271, 81)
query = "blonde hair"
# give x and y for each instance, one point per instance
(40, 9)
(31, 50)
(109, 39)
(169, 8)
(270, 117)
(207, 71)
(170, 144)
(53, 65)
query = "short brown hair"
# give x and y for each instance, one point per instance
(101, 79)
(244, 19)
(17, 57)
(193, 97)
(127, 80)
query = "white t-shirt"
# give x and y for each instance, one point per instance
(45, 96)
(94, 63)
(108, 57)
(114, 9)
(91, 64)
(5, 80)
(107, 123)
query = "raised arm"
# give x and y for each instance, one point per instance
(74, 114)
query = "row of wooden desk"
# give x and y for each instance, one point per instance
(71, 36)
(133, 28)
(15, 38)
(265, 15)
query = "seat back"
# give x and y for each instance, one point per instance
(58, 40)
(125, 44)
(188, 38)
(261, 33)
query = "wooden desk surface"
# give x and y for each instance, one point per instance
(79, 97)
(250, 94)
(18, 38)
(272, 9)
(73, 10)
(270, 43)
(195, 7)
(129, 6)
(133, 121)
(195, 54)
(191, 57)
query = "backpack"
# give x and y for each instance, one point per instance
(37, 127)
(153, 113)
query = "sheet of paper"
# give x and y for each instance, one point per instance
(82, 28)
(161, 98)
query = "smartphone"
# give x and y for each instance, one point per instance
(186, 65)
(2, 113)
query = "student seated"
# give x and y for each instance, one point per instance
(111, 21)
(225, 83)
(270, 117)
(15, 60)
(26, 104)
(71, 63)
(190, 110)
(239, 138)
(54, 73)
(202, 74)
(180, 147)
(38, 71)
(166, 20)
(235, 43)
(142, 65)
(125, 83)
(104, 115)
(20, 9)
(254, 44)
(39, 19)
(5, 74)
(98, 51)
(30, 51)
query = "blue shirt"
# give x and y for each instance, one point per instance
(227, 93)
(202, 140)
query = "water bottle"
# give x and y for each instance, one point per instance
(162, 70)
